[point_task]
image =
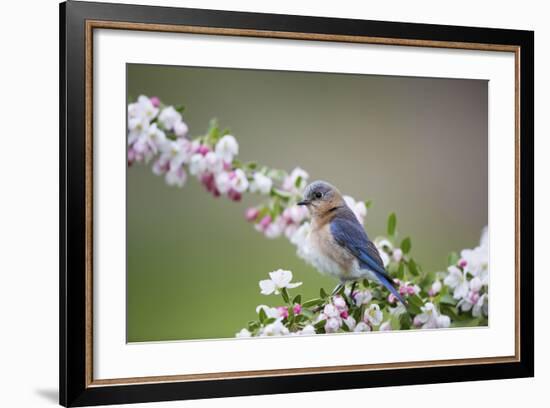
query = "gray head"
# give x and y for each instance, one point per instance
(320, 196)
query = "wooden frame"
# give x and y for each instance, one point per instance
(77, 22)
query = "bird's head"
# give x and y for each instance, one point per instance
(321, 197)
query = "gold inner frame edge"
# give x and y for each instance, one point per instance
(118, 25)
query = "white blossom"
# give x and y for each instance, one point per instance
(373, 315)
(362, 297)
(279, 279)
(227, 148)
(213, 163)
(261, 184)
(296, 181)
(274, 329)
(197, 164)
(143, 108)
(168, 117)
(456, 280)
(239, 182)
(362, 327)
(430, 318)
(243, 333)
(358, 207)
(332, 325)
(307, 330)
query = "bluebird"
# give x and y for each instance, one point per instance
(338, 243)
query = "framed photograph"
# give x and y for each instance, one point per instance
(256, 204)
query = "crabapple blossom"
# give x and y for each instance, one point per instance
(296, 180)
(332, 325)
(274, 329)
(373, 315)
(362, 297)
(362, 327)
(456, 280)
(239, 182)
(227, 148)
(279, 279)
(176, 177)
(243, 333)
(430, 318)
(435, 288)
(350, 323)
(397, 255)
(168, 117)
(197, 164)
(308, 330)
(260, 184)
(143, 108)
(358, 207)
(251, 214)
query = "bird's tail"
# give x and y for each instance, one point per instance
(389, 285)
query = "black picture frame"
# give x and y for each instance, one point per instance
(75, 387)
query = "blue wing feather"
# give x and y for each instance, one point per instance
(349, 233)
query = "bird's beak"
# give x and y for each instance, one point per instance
(303, 202)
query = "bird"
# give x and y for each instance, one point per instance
(338, 244)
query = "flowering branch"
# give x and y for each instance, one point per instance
(457, 297)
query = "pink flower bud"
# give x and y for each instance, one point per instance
(234, 195)
(203, 149)
(344, 314)
(283, 311)
(155, 101)
(391, 298)
(474, 297)
(264, 223)
(297, 309)
(251, 214)
(410, 290)
(403, 290)
(462, 263)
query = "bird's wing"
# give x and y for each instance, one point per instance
(349, 234)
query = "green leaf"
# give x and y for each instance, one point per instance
(179, 108)
(415, 303)
(323, 294)
(297, 299)
(368, 203)
(313, 302)
(452, 259)
(401, 271)
(406, 245)
(284, 294)
(253, 325)
(298, 182)
(413, 267)
(405, 321)
(262, 315)
(320, 325)
(269, 321)
(275, 192)
(392, 222)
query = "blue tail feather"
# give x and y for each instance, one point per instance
(388, 285)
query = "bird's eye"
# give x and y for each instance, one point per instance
(318, 194)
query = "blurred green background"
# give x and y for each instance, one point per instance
(416, 146)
